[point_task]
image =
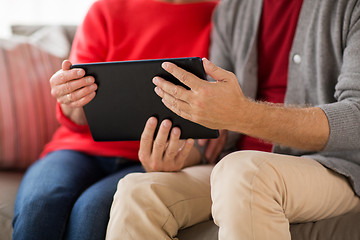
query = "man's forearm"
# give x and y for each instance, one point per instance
(222, 105)
(296, 127)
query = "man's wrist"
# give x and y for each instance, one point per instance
(246, 117)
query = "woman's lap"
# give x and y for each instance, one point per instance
(55, 189)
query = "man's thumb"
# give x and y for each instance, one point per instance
(214, 71)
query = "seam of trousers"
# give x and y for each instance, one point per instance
(183, 200)
(171, 213)
(284, 204)
(167, 220)
(259, 165)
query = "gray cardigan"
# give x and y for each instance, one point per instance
(324, 69)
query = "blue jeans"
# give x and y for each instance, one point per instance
(68, 195)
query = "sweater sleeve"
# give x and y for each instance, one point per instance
(89, 45)
(68, 123)
(344, 115)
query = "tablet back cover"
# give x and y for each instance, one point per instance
(125, 99)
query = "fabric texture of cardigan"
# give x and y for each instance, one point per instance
(324, 70)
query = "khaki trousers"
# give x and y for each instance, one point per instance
(255, 195)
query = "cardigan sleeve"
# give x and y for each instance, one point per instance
(344, 115)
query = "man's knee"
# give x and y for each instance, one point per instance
(232, 165)
(248, 169)
(132, 183)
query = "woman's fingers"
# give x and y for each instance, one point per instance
(66, 65)
(174, 146)
(166, 152)
(185, 151)
(78, 97)
(63, 76)
(70, 87)
(146, 140)
(83, 101)
(177, 151)
(215, 146)
(73, 87)
(160, 142)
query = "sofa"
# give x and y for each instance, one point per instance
(27, 121)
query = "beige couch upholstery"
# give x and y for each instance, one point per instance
(340, 228)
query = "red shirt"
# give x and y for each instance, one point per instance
(116, 30)
(276, 33)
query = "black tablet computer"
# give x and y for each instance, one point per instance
(125, 99)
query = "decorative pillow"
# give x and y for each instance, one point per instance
(27, 109)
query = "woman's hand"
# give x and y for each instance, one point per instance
(73, 91)
(213, 146)
(165, 153)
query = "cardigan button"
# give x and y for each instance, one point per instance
(297, 59)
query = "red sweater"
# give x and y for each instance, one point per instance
(277, 30)
(116, 30)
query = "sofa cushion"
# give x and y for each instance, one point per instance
(9, 183)
(27, 109)
(344, 227)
